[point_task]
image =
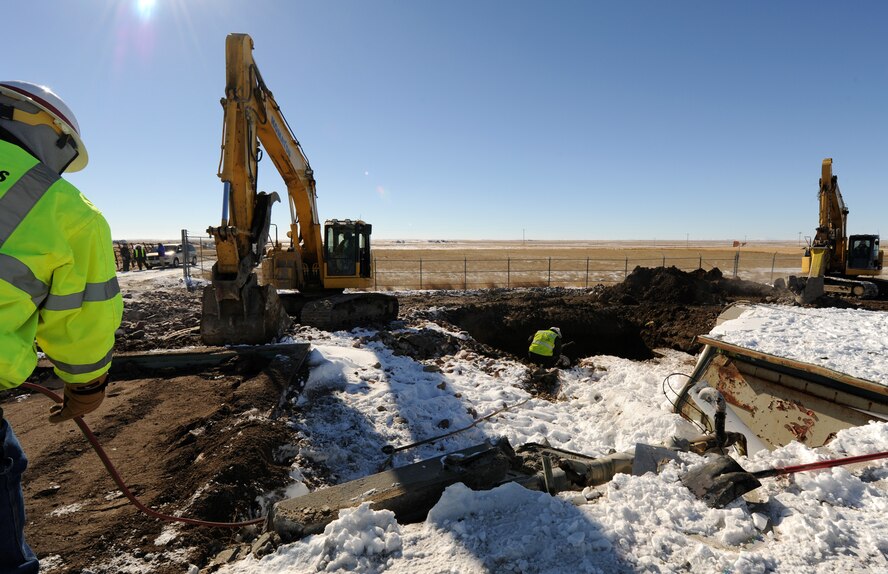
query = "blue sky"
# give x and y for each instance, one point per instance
(483, 119)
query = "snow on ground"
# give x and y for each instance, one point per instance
(361, 397)
(136, 282)
(854, 342)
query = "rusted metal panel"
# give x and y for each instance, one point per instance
(780, 399)
(862, 384)
(776, 413)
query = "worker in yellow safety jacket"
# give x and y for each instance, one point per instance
(545, 347)
(58, 281)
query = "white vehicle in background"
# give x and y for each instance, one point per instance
(175, 254)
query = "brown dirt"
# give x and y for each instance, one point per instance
(208, 443)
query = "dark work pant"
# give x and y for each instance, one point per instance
(16, 556)
(543, 361)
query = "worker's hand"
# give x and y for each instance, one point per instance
(79, 400)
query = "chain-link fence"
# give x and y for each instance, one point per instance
(466, 273)
(202, 255)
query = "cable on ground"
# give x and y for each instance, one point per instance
(87, 432)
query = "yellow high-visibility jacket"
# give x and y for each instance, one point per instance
(58, 279)
(544, 343)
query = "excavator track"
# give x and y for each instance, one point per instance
(860, 288)
(348, 310)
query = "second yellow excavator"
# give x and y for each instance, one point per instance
(835, 262)
(314, 270)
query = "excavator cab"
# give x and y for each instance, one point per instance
(347, 248)
(864, 254)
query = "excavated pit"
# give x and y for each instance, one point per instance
(653, 308)
(587, 329)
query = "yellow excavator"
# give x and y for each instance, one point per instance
(835, 262)
(314, 269)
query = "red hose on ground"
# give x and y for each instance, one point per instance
(819, 465)
(119, 481)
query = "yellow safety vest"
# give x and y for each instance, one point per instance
(58, 279)
(544, 343)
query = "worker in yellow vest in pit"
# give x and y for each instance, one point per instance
(58, 281)
(545, 347)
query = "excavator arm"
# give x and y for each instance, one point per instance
(831, 231)
(236, 309)
(252, 116)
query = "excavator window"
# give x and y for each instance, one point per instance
(341, 250)
(861, 255)
(363, 231)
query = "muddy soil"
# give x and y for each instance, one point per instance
(208, 444)
(205, 445)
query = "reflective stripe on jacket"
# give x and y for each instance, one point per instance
(58, 279)
(544, 343)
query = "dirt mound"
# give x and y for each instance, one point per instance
(671, 286)
(666, 285)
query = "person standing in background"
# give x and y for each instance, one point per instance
(125, 255)
(139, 254)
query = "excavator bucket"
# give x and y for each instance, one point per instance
(256, 317)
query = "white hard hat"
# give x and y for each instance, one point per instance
(555, 329)
(62, 116)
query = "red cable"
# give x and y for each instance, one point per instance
(117, 479)
(819, 465)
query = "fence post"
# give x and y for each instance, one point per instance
(549, 280)
(185, 273)
(375, 275)
(626, 269)
(736, 263)
(465, 274)
(587, 272)
(773, 262)
(420, 273)
(664, 261)
(700, 264)
(508, 272)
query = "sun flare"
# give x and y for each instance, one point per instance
(145, 8)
